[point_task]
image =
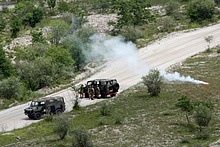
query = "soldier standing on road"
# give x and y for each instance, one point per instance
(81, 91)
(97, 91)
(91, 93)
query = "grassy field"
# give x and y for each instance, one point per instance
(145, 120)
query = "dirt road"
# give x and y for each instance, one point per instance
(160, 54)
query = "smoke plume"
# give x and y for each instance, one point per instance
(116, 48)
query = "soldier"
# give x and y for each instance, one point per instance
(81, 91)
(97, 91)
(91, 93)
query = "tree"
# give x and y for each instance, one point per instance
(6, 68)
(59, 29)
(198, 10)
(2, 23)
(172, 9)
(15, 27)
(28, 13)
(11, 88)
(38, 73)
(153, 81)
(132, 12)
(202, 116)
(185, 105)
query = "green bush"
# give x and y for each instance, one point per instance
(198, 10)
(153, 81)
(61, 125)
(202, 116)
(11, 88)
(168, 24)
(76, 105)
(81, 138)
(118, 119)
(131, 33)
(172, 9)
(105, 109)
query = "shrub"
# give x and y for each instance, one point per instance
(118, 119)
(172, 9)
(11, 88)
(101, 121)
(185, 105)
(76, 105)
(61, 126)
(202, 116)
(153, 81)
(131, 33)
(168, 24)
(81, 138)
(203, 134)
(198, 10)
(105, 109)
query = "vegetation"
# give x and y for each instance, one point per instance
(153, 80)
(146, 117)
(58, 55)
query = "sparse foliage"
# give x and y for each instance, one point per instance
(202, 116)
(61, 126)
(185, 105)
(209, 39)
(58, 31)
(105, 109)
(81, 138)
(172, 9)
(153, 81)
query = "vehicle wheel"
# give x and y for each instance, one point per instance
(112, 95)
(37, 116)
(58, 111)
(31, 116)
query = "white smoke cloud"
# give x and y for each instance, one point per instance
(115, 48)
(178, 77)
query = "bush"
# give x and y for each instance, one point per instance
(202, 116)
(131, 33)
(105, 109)
(198, 10)
(172, 9)
(11, 88)
(153, 81)
(76, 105)
(61, 126)
(118, 119)
(81, 138)
(168, 24)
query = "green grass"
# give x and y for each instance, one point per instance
(145, 120)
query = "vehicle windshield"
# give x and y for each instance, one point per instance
(34, 103)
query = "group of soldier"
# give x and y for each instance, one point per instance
(92, 90)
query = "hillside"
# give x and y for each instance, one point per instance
(52, 49)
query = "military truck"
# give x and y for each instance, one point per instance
(108, 87)
(46, 105)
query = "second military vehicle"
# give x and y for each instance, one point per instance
(107, 87)
(46, 105)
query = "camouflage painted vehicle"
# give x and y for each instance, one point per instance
(47, 105)
(108, 87)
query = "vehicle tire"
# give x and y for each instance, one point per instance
(37, 115)
(112, 95)
(31, 116)
(58, 111)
